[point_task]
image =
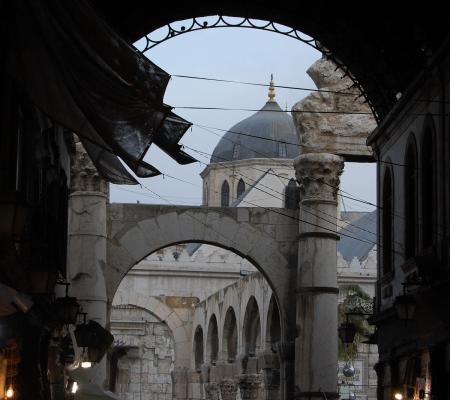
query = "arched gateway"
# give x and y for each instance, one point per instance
(265, 237)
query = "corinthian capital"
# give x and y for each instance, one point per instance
(318, 176)
(84, 175)
(228, 389)
(250, 386)
(212, 391)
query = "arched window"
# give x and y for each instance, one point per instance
(386, 219)
(427, 177)
(291, 195)
(225, 195)
(240, 188)
(236, 149)
(198, 347)
(410, 196)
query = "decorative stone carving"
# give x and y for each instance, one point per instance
(250, 386)
(346, 122)
(84, 175)
(318, 176)
(212, 391)
(228, 389)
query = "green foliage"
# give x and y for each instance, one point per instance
(355, 300)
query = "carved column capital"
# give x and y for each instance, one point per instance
(228, 389)
(318, 176)
(84, 175)
(212, 391)
(250, 386)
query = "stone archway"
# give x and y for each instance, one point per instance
(266, 238)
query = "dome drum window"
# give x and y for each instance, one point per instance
(225, 195)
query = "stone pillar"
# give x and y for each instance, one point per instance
(316, 345)
(269, 362)
(228, 389)
(87, 245)
(212, 391)
(250, 386)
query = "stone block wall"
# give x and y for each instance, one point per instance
(145, 371)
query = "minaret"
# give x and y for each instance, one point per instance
(271, 90)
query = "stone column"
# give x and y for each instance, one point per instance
(87, 245)
(212, 391)
(316, 344)
(228, 389)
(250, 386)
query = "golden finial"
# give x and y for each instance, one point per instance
(271, 89)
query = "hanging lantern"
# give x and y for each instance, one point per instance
(347, 332)
(66, 308)
(84, 335)
(405, 307)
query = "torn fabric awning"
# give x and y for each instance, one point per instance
(85, 77)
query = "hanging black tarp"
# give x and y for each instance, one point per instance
(84, 76)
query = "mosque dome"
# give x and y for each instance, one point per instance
(269, 133)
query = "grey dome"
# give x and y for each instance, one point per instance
(271, 122)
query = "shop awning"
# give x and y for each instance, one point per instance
(85, 77)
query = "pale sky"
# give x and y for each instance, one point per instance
(233, 54)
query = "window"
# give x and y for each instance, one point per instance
(240, 188)
(386, 219)
(291, 195)
(282, 150)
(225, 195)
(427, 177)
(236, 149)
(410, 201)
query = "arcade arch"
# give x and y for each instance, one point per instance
(252, 328)
(230, 336)
(212, 341)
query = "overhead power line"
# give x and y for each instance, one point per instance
(274, 111)
(203, 78)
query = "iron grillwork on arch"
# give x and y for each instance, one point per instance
(219, 21)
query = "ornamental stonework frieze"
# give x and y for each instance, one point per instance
(228, 389)
(318, 176)
(250, 386)
(212, 391)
